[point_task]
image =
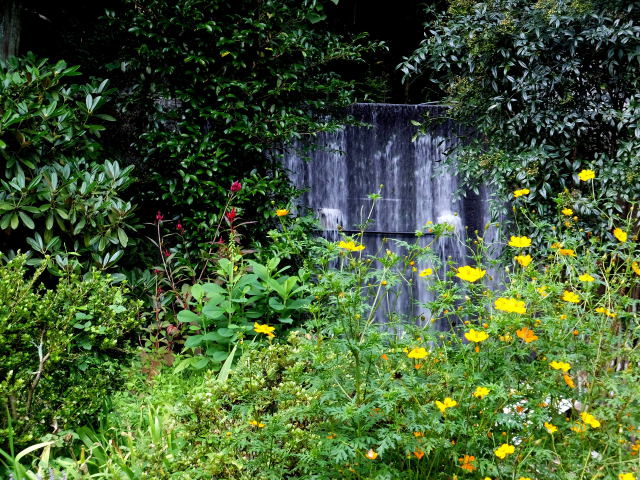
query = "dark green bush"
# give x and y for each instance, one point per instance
(220, 84)
(551, 87)
(60, 349)
(57, 191)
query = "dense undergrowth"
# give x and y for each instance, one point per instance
(537, 378)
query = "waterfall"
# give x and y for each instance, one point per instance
(354, 161)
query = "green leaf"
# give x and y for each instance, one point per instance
(197, 291)
(183, 364)
(212, 311)
(226, 367)
(219, 356)
(225, 332)
(122, 237)
(187, 316)
(193, 341)
(26, 219)
(201, 363)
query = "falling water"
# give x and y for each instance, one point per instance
(354, 161)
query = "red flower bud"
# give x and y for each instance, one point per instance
(159, 216)
(172, 330)
(236, 186)
(166, 253)
(231, 215)
(180, 228)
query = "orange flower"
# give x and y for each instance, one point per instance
(569, 381)
(371, 454)
(526, 334)
(419, 454)
(467, 462)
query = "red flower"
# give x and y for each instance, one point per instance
(231, 215)
(236, 186)
(166, 253)
(159, 216)
(180, 228)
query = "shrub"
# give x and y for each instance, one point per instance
(550, 87)
(539, 381)
(224, 85)
(61, 349)
(536, 379)
(58, 194)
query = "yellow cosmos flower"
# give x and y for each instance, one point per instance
(523, 260)
(521, 192)
(519, 242)
(570, 297)
(636, 268)
(266, 329)
(564, 366)
(447, 403)
(426, 272)
(510, 305)
(589, 420)
(419, 352)
(351, 246)
(567, 211)
(481, 392)
(585, 277)
(607, 312)
(255, 423)
(551, 428)
(569, 381)
(281, 212)
(586, 175)
(503, 450)
(567, 252)
(470, 274)
(476, 336)
(525, 478)
(620, 234)
(543, 291)
(626, 476)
